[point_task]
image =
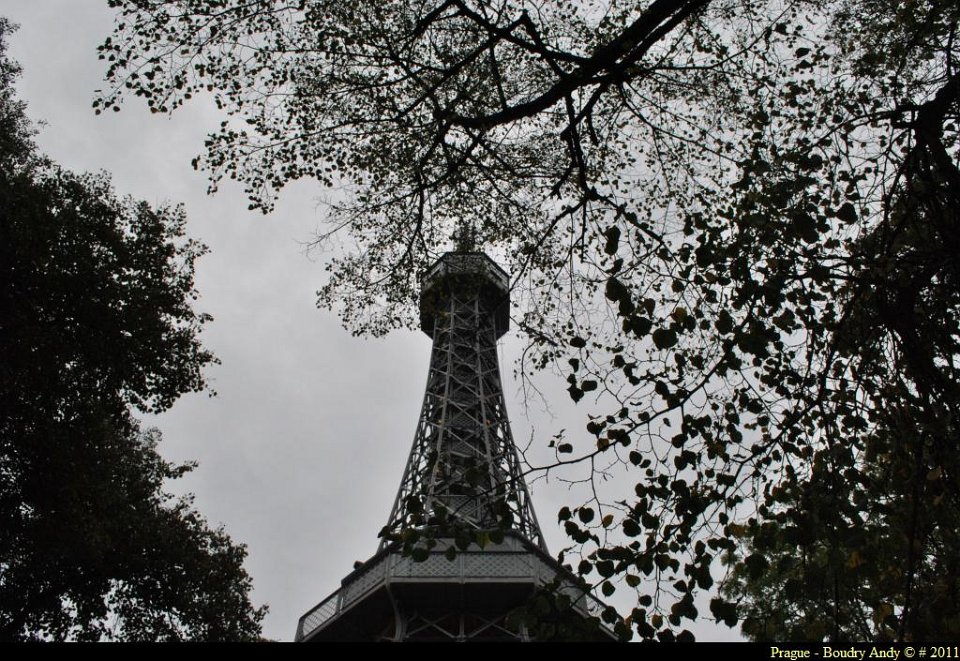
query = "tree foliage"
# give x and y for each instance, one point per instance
(731, 223)
(96, 321)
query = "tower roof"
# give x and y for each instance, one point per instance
(469, 274)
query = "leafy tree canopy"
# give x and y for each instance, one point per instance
(730, 223)
(96, 321)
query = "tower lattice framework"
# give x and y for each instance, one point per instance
(464, 464)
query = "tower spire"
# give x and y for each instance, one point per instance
(465, 237)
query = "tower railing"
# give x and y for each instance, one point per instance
(511, 561)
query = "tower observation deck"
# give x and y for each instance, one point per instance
(462, 550)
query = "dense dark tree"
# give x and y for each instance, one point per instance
(732, 223)
(95, 323)
(829, 560)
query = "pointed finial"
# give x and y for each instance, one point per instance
(465, 237)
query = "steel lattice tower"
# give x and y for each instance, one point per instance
(463, 461)
(462, 489)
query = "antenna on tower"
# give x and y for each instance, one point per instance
(465, 236)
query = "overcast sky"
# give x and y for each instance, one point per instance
(302, 449)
